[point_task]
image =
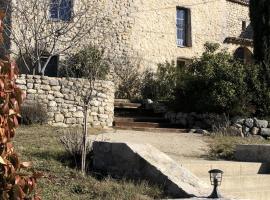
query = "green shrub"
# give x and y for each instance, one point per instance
(160, 86)
(218, 83)
(33, 113)
(75, 64)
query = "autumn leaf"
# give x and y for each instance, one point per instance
(2, 161)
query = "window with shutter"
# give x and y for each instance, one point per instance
(183, 28)
(61, 10)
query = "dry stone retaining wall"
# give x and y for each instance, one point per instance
(64, 106)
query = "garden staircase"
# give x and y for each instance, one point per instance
(133, 116)
(241, 180)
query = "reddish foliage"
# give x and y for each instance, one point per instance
(13, 184)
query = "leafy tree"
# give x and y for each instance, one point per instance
(260, 21)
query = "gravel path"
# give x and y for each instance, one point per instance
(179, 146)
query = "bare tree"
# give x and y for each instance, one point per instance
(42, 29)
(91, 65)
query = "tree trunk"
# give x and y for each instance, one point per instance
(84, 150)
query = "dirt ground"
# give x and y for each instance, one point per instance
(179, 146)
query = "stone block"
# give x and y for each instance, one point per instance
(265, 132)
(56, 88)
(78, 114)
(31, 91)
(253, 153)
(45, 87)
(59, 118)
(260, 123)
(54, 82)
(52, 104)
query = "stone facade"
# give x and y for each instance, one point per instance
(146, 30)
(64, 105)
(154, 31)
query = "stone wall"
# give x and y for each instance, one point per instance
(64, 106)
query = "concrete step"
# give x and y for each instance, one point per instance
(127, 105)
(201, 168)
(256, 193)
(240, 183)
(141, 119)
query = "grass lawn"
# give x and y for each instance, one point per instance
(40, 145)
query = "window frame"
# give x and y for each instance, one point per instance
(59, 17)
(187, 27)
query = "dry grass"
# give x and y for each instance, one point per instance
(223, 146)
(40, 144)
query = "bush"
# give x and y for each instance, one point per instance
(75, 65)
(127, 78)
(160, 86)
(218, 83)
(72, 140)
(33, 114)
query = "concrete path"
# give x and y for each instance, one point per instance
(179, 146)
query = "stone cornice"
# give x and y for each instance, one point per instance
(242, 2)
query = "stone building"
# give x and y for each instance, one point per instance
(155, 31)
(177, 30)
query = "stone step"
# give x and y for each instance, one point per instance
(141, 119)
(154, 130)
(143, 124)
(201, 168)
(127, 105)
(122, 101)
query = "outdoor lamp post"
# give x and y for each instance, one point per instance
(216, 179)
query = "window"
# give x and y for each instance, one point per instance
(183, 27)
(181, 63)
(61, 10)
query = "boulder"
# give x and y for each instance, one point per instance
(249, 122)
(260, 123)
(255, 131)
(265, 132)
(245, 130)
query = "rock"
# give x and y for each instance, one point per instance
(53, 82)
(265, 132)
(238, 120)
(255, 131)
(192, 131)
(260, 123)
(45, 87)
(21, 81)
(59, 118)
(201, 131)
(52, 104)
(78, 114)
(249, 122)
(31, 91)
(245, 130)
